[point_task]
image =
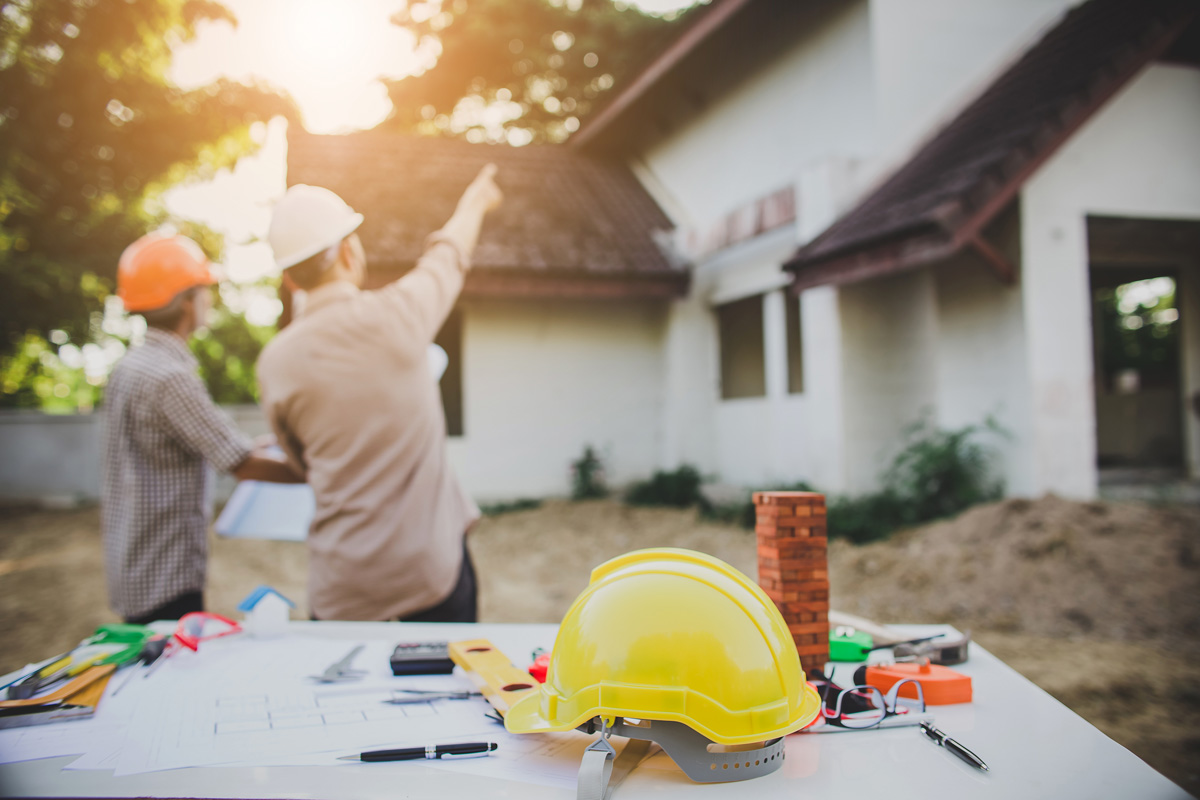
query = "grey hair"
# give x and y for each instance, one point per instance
(168, 316)
(309, 272)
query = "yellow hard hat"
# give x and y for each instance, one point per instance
(674, 635)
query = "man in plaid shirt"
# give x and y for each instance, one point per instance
(163, 432)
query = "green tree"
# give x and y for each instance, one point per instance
(549, 62)
(91, 133)
(227, 351)
(1139, 333)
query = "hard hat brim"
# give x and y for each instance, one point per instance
(352, 224)
(526, 717)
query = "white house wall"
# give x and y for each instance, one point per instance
(813, 102)
(691, 386)
(763, 441)
(981, 364)
(542, 379)
(889, 346)
(931, 57)
(1138, 157)
(863, 81)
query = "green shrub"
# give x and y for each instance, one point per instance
(938, 473)
(677, 489)
(587, 476)
(742, 513)
(867, 517)
(520, 504)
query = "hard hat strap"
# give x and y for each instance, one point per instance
(600, 773)
(595, 770)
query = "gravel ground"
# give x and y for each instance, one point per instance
(1097, 603)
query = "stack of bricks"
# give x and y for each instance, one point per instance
(793, 568)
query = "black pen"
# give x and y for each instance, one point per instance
(954, 747)
(464, 750)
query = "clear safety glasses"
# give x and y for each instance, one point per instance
(862, 707)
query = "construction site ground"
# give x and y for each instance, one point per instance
(1097, 603)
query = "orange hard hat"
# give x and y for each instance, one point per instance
(157, 267)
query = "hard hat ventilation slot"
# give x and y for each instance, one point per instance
(701, 759)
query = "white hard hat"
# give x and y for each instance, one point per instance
(307, 220)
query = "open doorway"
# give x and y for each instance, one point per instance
(1145, 283)
(1139, 415)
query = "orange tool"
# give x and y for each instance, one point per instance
(942, 686)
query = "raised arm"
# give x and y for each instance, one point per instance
(462, 229)
(422, 299)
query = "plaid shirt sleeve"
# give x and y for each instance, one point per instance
(190, 414)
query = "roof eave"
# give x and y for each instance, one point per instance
(515, 283)
(965, 223)
(709, 24)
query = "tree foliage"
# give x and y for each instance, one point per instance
(546, 64)
(91, 132)
(1138, 334)
(227, 351)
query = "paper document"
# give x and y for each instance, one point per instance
(258, 510)
(241, 701)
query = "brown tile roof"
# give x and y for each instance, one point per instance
(941, 199)
(570, 226)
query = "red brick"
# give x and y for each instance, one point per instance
(795, 497)
(801, 547)
(812, 649)
(814, 665)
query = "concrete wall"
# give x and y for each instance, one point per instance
(981, 363)
(759, 441)
(540, 381)
(543, 379)
(862, 84)
(1136, 158)
(890, 337)
(56, 459)
(931, 57)
(50, 458)
(814, 102)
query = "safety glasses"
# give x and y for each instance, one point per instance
(201, 626)
(862, 707)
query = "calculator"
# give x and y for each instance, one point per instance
(422, 658)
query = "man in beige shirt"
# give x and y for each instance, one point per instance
(348, 390)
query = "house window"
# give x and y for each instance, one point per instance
(740, 328)
(449, 338)
(795, 346)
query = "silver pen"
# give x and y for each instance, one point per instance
(425, 696)
(954, 747)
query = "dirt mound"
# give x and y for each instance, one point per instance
(1048, 567)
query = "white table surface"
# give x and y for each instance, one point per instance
(1035, 746)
